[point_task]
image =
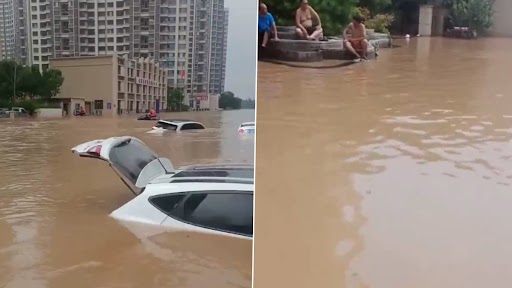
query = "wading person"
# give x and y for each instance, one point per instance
(357, 44)
(305, 18)
(266, 26)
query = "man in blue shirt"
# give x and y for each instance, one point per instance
(266, 26)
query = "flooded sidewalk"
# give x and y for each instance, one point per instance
(389, 173)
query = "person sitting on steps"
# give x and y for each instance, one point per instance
(266, 26)
(357, 44)
(304, 17)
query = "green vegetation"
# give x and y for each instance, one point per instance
(475, 14)
(227, 100)
(27, 87)
(334, 14)
(248, 104)
(380, 22)
(175, 99)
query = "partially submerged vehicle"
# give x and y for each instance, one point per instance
(177, 125)
(148, 117)
(215, 199)
(247, 128)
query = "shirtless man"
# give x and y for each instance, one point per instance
(304, 17)
(357, 43)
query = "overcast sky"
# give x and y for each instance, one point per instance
(241, 54)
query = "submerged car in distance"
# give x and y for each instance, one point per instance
(177, 125)
(213, 199)
(148, 117)
(247, 128)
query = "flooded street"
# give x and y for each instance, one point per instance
(54, 208)
(391, 173)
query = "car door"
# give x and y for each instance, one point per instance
(217, 212)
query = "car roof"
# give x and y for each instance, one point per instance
(177, 120)
(217, 173)
(180, 187)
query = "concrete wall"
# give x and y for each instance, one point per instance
(425, 20)
(88, 78)
(502, 18)
(49, 112)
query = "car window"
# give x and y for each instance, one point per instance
(191, 126)
(167, 203)
(229, 212)
(237, 173)
(166, 126)
(247, 125)
(130, 158)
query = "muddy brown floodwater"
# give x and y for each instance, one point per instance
(54, 225)
(391, 173)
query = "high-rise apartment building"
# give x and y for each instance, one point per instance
(7, 28)
(224, 51)
(217, 49)
(187, 37)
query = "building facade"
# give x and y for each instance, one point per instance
(224, 51)
(187, 37)
(111, 84)
(7, 29)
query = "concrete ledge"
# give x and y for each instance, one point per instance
(304, 45)
(296, 56)
(285, 29)
(342, 54)
(289, 49)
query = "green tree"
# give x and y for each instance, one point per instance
(227, 100)
(248, 104)
(31, 82)
(21, 84)
(52, 80)
(175, 99)
(334, 14)
(475, 14)
(10, 74)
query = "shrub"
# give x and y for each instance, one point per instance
(379, 22)
(475, 14)
(29, 105)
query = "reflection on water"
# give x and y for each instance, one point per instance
(392, 173)
(54, 207)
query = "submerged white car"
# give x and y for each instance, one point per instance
(247, 128)
(177, 125)
(215, 199)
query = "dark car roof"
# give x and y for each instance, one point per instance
(178, 120)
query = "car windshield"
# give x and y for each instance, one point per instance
(247, 125)
(166, 126)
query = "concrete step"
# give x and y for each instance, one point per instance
(285, 29)
(305, 45)
(341, 54)
(297, 56)
(287, 35)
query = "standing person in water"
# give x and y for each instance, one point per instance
(357, 43)
(266, 26)
(305, 18)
